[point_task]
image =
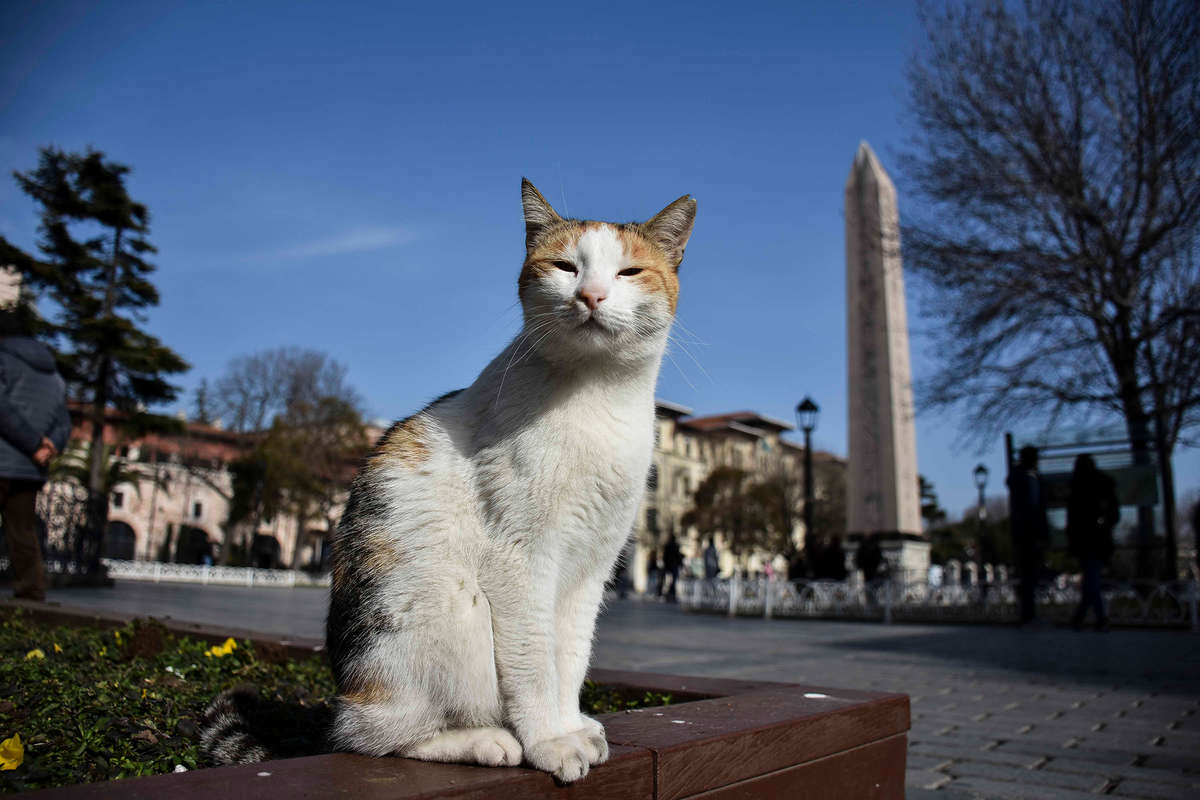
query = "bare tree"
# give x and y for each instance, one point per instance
(257, 388)
(1054, 173)
(307, 422)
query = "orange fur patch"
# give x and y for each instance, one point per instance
(658, 274)
(404, 443)
(365, 694)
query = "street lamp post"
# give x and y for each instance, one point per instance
(806, 417)
(981, 476)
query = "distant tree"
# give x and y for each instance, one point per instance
(95, 273)
(933, 514)
(202, 404)
(309, 432)
(1054, 213)
(829, 499)
(721, 506)
(777, 501)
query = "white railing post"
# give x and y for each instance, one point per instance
(768, 596)
(157, 570)
(735, 586)
(698, 592)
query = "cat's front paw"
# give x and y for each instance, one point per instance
(593, 732)
(568, 757)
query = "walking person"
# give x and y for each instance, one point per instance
(1092, 513)
(1030, 528)
(653, 573)
(672, 561)
(34, 426)
(712, 560)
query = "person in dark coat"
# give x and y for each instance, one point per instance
(34, 426)
(1092, 513)
(672, 561)
(1030, 528)
(868, 557)
(712, 560)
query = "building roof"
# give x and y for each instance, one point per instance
(743, 419)
(668, 409)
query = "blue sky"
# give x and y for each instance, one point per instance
(346, 177)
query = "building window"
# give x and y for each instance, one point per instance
(197, 510)
(652, 520)
(652, 478)
(118, 499)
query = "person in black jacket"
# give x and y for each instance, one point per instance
(34, 426)
(672, 561)
(1092, 513)
(1030, 528)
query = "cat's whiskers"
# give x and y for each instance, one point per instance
(541, 322)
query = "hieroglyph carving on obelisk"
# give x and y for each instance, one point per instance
(881, 486)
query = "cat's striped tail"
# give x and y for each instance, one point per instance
(227, 734)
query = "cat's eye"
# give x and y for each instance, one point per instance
(565, 266)
(630, 272)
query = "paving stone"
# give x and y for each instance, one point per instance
(916, 761)
(1154, 791)
(1065, 780)
(946, 793)
(983, 787)
(957, 752)
(925, 779)
(1172, 760)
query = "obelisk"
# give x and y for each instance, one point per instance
(881, 486)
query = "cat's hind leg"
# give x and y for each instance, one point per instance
(491, 747)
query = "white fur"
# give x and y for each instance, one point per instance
(505, 534)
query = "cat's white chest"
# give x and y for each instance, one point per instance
(584, 465)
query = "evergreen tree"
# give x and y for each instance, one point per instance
(94, 270)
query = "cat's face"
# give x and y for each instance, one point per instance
(595, 289)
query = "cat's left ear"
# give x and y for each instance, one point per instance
(671, 227)
(538, 214)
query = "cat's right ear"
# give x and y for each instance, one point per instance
(538, 214)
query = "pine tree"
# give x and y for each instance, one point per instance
(94, 270)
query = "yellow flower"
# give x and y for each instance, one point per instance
(12, 752)
(103, 651)
(117, 636)
(220, 651)
(35, 653)
(57, 647)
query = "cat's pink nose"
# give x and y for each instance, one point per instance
(593, 297)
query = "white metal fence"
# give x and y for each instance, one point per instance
(1165, 604)
(158, 572)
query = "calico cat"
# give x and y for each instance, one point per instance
(469, 565)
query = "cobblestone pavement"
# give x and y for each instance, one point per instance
(997, 712)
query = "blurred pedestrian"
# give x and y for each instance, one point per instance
(1030, 528)
(868, 557)
(1092, 513)
(712, 560)
(652, 574)
(34, 426)
(672, 561)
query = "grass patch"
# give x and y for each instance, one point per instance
(92, 705)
